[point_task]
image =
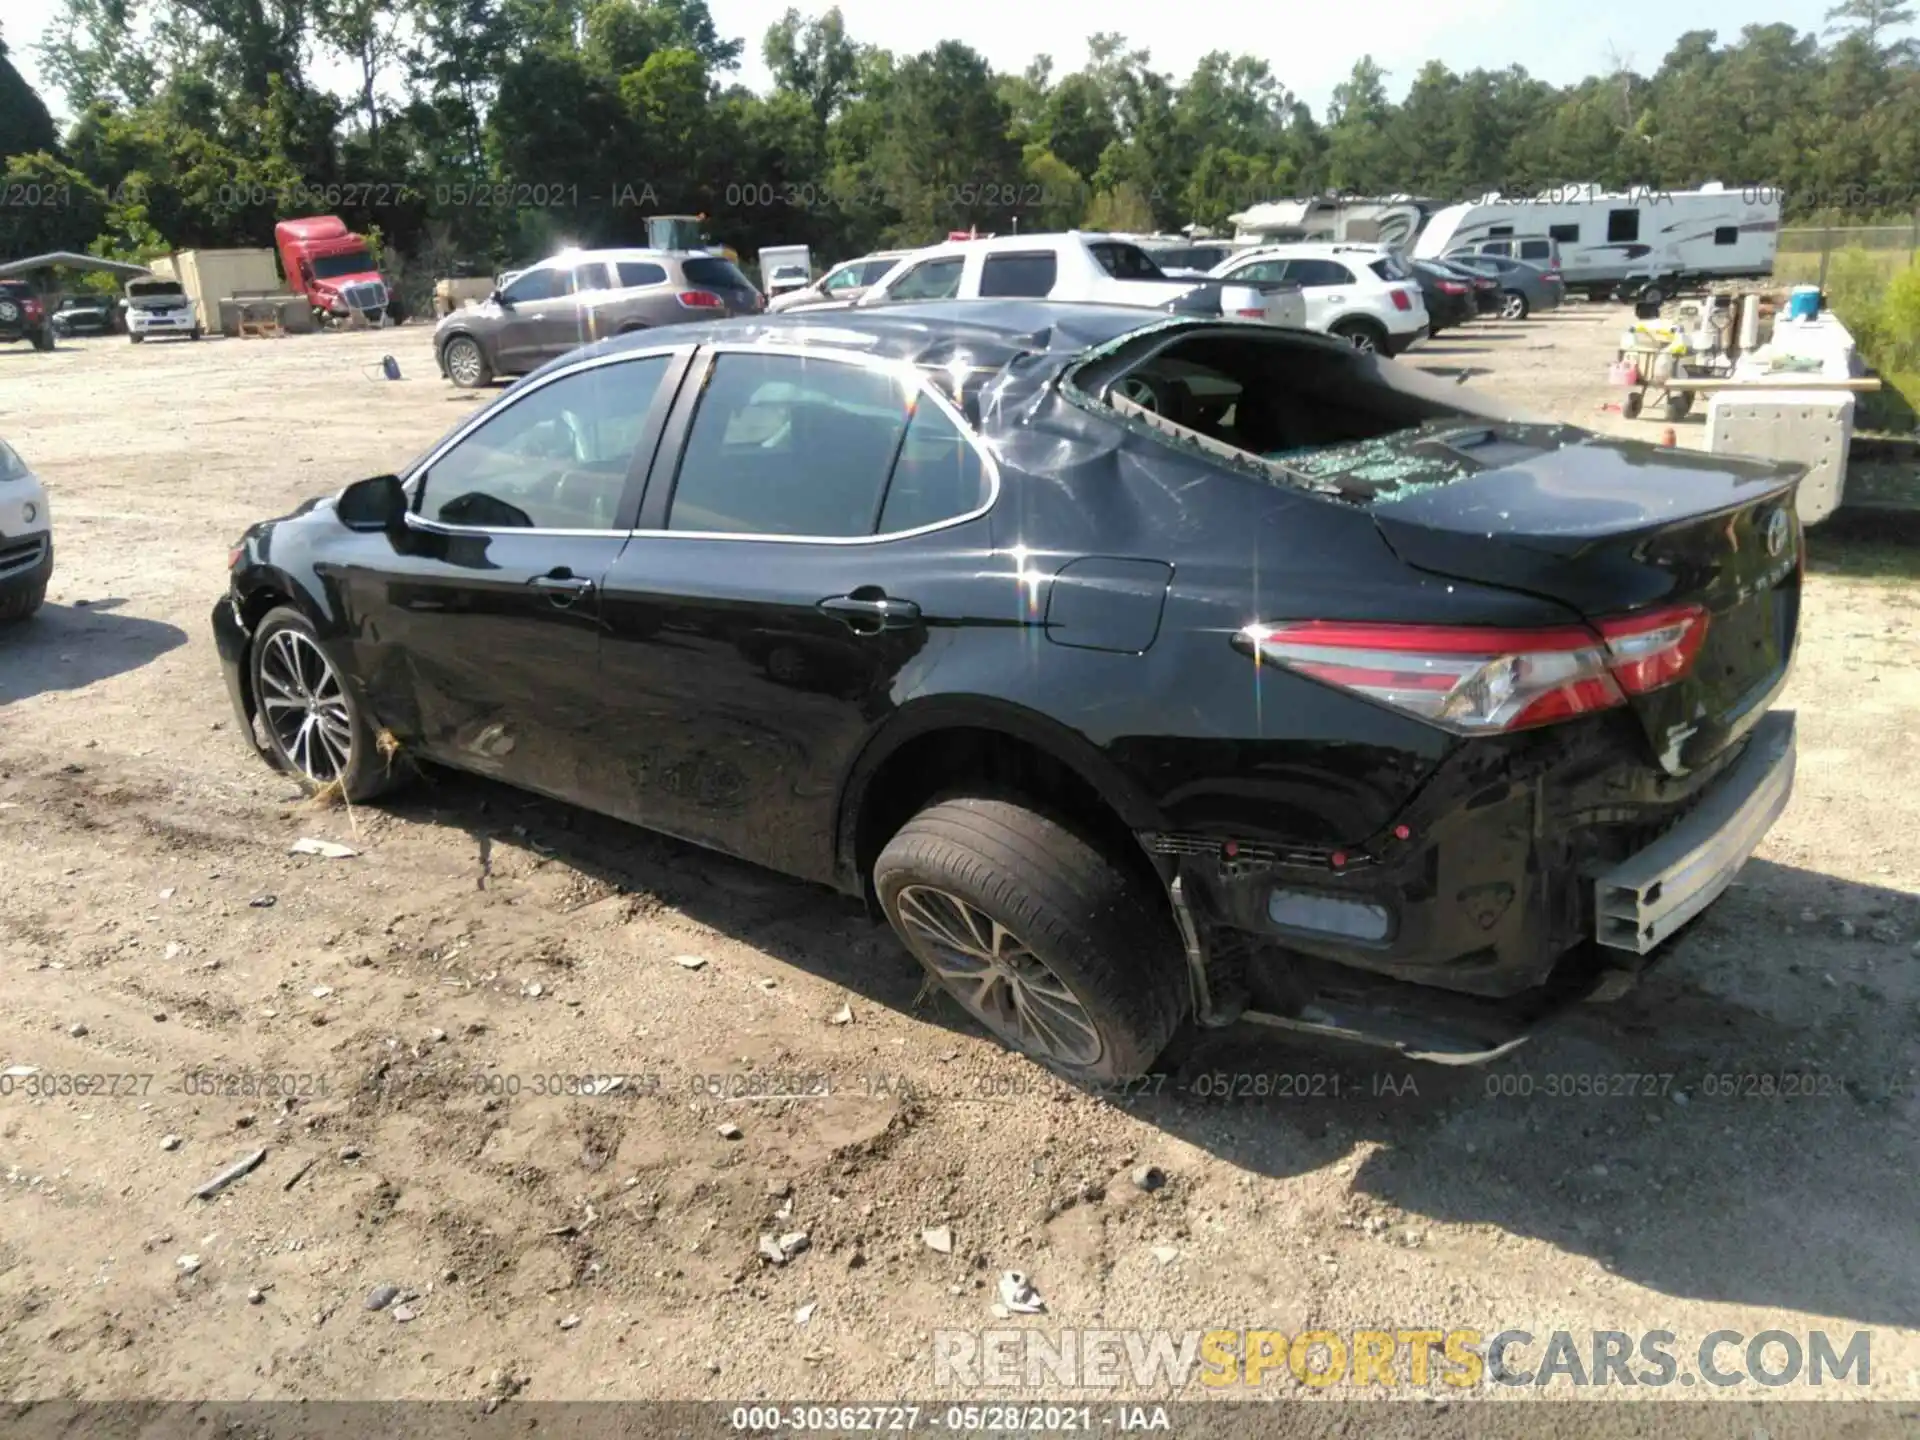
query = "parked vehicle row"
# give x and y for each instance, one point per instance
(1369, 295)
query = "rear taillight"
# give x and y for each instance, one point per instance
(1481, 681)
(1449, 287)
(701, 300)
(1656, 648)
(1401, 300)
(32, 309)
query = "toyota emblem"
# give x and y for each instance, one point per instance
(1779, 532)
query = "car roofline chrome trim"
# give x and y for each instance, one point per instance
(914, 375)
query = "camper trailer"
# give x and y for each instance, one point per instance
(1393, 220)
(1641, 242)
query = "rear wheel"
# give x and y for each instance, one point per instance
(466, 362)
(1653, 295)
(1037, 934)
(1513, 306)
(1363, 335)
(314, 726)
(43, 338)
(133, 339)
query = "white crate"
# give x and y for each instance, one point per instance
(1810, 427)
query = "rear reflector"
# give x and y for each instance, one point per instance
(1251, 314)
(1401, 300)
(701, 300)
(1479, 681)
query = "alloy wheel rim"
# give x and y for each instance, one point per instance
(1361, 341)
(305, 707)
(996, 977)
(463, 360)
(1513, 307)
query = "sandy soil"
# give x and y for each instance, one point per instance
(154, 926)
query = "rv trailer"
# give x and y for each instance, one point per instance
(1393, 220)
(1643, 241)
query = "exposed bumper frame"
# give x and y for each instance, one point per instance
(1649, 895)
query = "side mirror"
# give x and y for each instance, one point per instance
(379, 503)
(499, 297)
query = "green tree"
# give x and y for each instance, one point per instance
(25, 125)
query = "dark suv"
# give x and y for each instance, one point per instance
(22, 316)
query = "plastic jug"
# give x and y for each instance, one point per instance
(1803, 302)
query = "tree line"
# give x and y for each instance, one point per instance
(489, 131)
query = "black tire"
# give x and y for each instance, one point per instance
(43, 338)
(133, 339)
(366, 773)
(194, 334)
(1630, 405)
(1066, 906)
(1653, 295)
(463, 355)
(1679, 404)
(1514, 306)
(1363, 335)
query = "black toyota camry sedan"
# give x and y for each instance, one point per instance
(1143, 672)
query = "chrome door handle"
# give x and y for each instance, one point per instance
(870, 614)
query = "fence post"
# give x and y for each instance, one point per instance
(1826, 250)
(1913, 240)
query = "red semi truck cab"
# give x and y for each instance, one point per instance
(334, 268)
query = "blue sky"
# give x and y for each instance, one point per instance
(1310, 47)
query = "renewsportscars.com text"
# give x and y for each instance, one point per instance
(1456, 1359)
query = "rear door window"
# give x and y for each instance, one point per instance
(1497, 247)
(1125, 262)
(714, 272)
(587, 278)
(1259, 271)
(1029, 273)
(1308, 273)
(635, 274)
(789, 445)
(1535, 250)
(929, 280)
(939, 475)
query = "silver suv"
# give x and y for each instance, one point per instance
(579, 296)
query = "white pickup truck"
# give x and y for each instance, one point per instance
(1076, 265)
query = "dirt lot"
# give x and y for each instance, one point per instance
(153, 924)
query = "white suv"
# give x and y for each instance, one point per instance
(1074, 265)
(1365, 294)
(26, 538)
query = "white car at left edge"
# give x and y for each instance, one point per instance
(26, 538)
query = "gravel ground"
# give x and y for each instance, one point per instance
(483, 946)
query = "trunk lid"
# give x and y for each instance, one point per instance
(1606, 528)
